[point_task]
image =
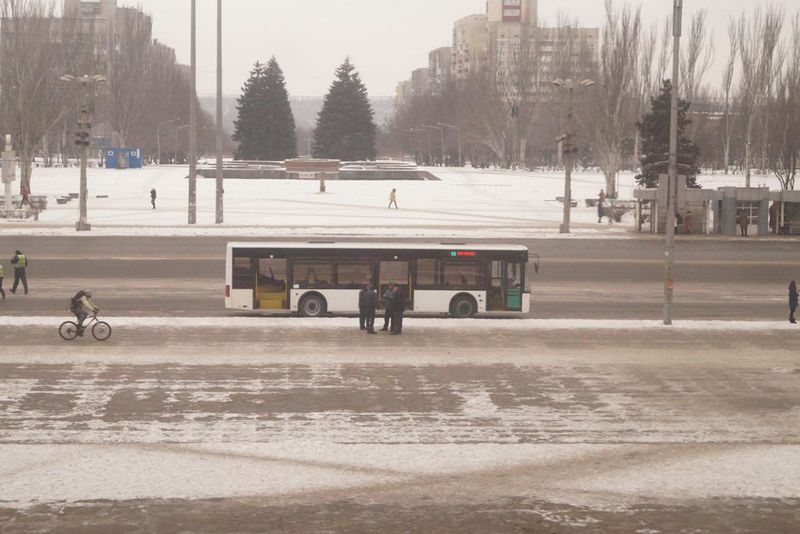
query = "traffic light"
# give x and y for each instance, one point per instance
(84, 129)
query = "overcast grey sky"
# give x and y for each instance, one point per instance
(385, 38)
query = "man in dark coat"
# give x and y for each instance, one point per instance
(388, 305)
(792, 301)
(20, 263)
(398, 308)
(362, 307)
(153, 197)
(371, 305)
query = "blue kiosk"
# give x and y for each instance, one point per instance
(124, 158)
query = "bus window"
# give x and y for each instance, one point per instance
(427, 274)
(242, 273)
(353, 275)
(313, 275)
(514, 275)
(395, 272)
(460, 275)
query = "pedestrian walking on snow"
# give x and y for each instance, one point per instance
(20, 263)
(601, 198)
(393, 199)
(153, 197)
(792, 301)
(744, 221)
(2, 275)
(388, 306)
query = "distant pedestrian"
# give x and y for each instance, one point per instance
(601, 198)
(371, 305)
(398, 308)
(2, 275)
(388, 307)
(362, 307)
(687, 222)
(744, 222)
(26, 196)
(153, 197)
(20, 263)
(792, 301)
(393, 199)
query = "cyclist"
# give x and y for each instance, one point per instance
(82, 306)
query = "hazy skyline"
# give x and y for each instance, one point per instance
(386, 39)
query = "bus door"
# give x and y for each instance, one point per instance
(505, 286)
(399, 274)
(272, 289)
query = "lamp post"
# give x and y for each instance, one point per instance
(220, 190)
(85, 84)
(192, 216)
(458, 132)
(441, 131)
(569, 147)
(672, 182)
(158, 136)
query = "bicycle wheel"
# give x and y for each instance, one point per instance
(68, 331)
(101, 330)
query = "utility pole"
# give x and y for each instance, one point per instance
(672, 182)
(193, 120)
(85, 84)
(220, 191)
(569, 147)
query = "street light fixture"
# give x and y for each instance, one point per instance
(85, 84)
(158, 136)
(569, 147)
(458, 132)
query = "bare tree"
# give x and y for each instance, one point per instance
(784, 141)
(698, 56)
(728, 121)
(645, 83)
(610, 116)
(36, 49)
(758, 40)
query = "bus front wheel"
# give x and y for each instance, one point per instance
(463, 307)
(312, 306)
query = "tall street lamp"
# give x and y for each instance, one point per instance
(220, 191)
(158, 136)
(441, 131)
(672, 181)
(458, 132)
(569, 147)
(192, 216)
(87, 85)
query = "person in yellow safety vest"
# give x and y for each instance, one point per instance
(20, 263)
(2, 275)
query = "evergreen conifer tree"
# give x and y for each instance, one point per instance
(654, 131)
(345, 127)
(265, 128)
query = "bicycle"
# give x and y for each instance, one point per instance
(69, 330)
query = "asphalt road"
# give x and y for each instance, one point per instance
(597, 278)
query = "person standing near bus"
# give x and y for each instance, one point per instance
(388, 306)
(398, 308)
(362, 307)
(371, 306)
(20, 263)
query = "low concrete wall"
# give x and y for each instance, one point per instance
(365, 175)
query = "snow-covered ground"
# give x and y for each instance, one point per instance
(465, 203)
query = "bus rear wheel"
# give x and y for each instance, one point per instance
(463, 307)
(312, 306)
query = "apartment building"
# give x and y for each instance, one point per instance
(470, 45)
(440, 67)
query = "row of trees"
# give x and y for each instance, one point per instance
(508, 112)
(265, 128)
(144, 84)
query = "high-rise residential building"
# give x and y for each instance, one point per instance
(440, 67)
(470, 45)
(420, 82)
(513, 12)
(90, 9)
(95, 20)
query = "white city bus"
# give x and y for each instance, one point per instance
(313, 279)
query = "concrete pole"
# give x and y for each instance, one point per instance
(569, 162)
(669, 254)
(9, 171)
(220, 191)
(193, 120)
(83, 224)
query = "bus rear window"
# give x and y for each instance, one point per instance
(242, 273)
